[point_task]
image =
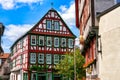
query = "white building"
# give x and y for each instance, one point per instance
(109, 44)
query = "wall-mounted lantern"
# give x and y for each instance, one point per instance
(81, 38)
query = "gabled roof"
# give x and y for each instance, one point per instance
(38, 24)
(60, 18)
(108, 10)
(4, 55)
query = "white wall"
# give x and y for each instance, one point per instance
(109, 60)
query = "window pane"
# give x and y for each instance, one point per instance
(33, 40)
(56, 42)
(25, 77)
(63, 42)
(33, 76)
(49, 41)
(56, 59)
(48, 58)
(33, 58)
(56, 25)
(70, 43)
(41, 40)
(48, 24)
(41, 58)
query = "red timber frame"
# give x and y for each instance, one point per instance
(19, 55)
(81, 20)
(40, 29)
(90, 53)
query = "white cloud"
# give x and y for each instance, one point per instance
(63, 8)
(7, 4)
(10, 4)
(68, 14)
(13, 32)
(28, 1)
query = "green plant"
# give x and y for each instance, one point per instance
(66, 66)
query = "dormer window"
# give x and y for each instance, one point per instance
(49, 24)
(56, 25)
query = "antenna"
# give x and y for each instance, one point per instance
(51, 4)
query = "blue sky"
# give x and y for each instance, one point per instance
(18, 16)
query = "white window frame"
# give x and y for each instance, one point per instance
(49, 41)
(48, 58)
(70, 43)
(56, 42)
(32, 58)
(41, 38)
(41, 58)
(56, 25)
(33, 38)
(56, 59)
(63, 40)
(49, 24)
(0, 62)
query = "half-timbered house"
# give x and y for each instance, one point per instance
(35, 54)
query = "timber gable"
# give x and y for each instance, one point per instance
(53, 17)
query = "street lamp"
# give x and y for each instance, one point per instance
(74, 64)
(76, 42)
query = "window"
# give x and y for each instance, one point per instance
(32, 58)
(62, 57)
(33, 40)
(48, 24)
(63, 42)
(48, 59)
(0, 62)
(56, 42)
(25, 76)
(41, 58)
(33, 76)
(56, 59)
(49, 41)
(21, 44)
(56, 25)
(70, 43)
(41, 40)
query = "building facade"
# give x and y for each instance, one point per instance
(1, 34)
(86, 22)
(4, 66)
(109, 43)
(35, 54)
